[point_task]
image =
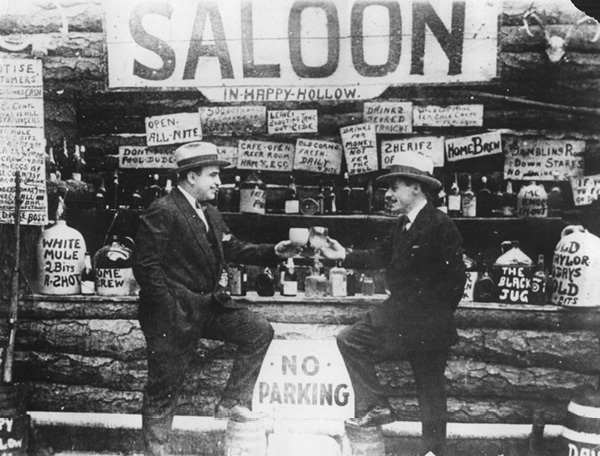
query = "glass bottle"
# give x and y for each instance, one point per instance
(87, 276)
(264, 283)
(320, 198)
(485, 289)
(442, 201)
(538, 283)
(367, 287)
(330, 200)
(289, 279)
(154, 190)
(338, 281)
(351, 286)
(454, 202)
(100, 196)
(555, 197)
(52, 173)
(292, 202)
(346, 193)
(234, 205)
(369, 196)
(253, 194)
(468, 201)
(496, 202)
(238, 280)
(76, 164)
(472, 274)
(484, 200)
(509, 201)
(168, 186)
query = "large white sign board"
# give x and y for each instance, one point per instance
(304, 379)
(287, 50)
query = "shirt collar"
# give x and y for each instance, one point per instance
(412, 215)
(188, 197)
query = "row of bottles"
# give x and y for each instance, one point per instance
(66, 164)
(532, 200)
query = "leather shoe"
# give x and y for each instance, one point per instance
(375, 417)
(237, 412)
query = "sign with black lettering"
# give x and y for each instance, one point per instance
(293, 121)
(265, 156)
(230, 154)
(142, 157)
(389, 116)
(360, 148)
(248, 51)
(467, 115)
(304, 379)
(22, 141)
(539, 159)
(228, 120)
(513, 283)
(586, 189)
(431, 146)
(318, 156)
(173, 129)
(474, 146)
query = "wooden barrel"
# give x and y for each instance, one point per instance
(13, 421)
(248, 438)
(367, 441)
(581, 430)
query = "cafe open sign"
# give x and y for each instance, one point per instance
(304, 379)
(292, 50)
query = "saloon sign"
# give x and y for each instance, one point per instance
(298, 50)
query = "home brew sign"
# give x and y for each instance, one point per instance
(292, 50)
(22, 141)
(304, 379)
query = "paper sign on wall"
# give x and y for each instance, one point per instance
(586, 189)
(474, 146)
(227, 120)
(293, 121)
(468, 115)
(230, 154)
(173, 129)
(142, 157)
(360, 148)
(265, 156)
(318, 156)
(389, 116)
(431, 146)
(22, 141)
(540, 158)
(304, 379)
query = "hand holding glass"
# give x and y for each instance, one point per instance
(298, 236)
(318, 237)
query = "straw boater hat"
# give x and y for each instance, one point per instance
(415, 166)
(196, 154)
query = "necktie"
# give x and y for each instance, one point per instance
(404, 221)
(203, 216)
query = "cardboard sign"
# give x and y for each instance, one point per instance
(389, 116)
(526, 159)
(585, 189)
(318, 156)
(22, 141)
(293, 121)
(431, 146)
(134, 157)
(228, 120)
(468, 115)
(474, 146)
(265, 156)
(513, 282)
(360, 148)
(285, 50)
(230, 154)
(304, 379)
(173, 129)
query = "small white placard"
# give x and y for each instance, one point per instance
(173, 129)
(227, 120)
(265, 156)
(142, 157)
(431, 146)
(318, 156)
(586, 189)
(389, 116)
(473, 146)
(467, 115)
(360, 148)
(292, 121)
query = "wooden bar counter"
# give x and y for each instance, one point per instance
(87, 354)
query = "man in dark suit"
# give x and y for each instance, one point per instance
(182, 246)
(425, 274)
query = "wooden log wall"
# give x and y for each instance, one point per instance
(89, 356)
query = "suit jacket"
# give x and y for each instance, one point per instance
(425, 274)
(178, 269)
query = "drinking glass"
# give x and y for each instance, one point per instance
(299, 236)
(318, 237)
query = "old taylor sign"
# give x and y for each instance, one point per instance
(298, 50)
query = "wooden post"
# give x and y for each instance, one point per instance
(7, 376)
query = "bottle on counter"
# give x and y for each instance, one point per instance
(315, 285)
(497, 202)
(509, 201)
(168, 186)
(532, 201)
(52, 173)
(468, 200)
(351, 282)
(100, 195)
(345, 195)
(320, 199)
(253, 194)
(369, 196)
(555, 197)
(288, 279)
(538, 283)
(87, 276)
(442, 201)
(367, 286)
(234, 204)
(264, 283)
(330, 206)
(238, 280)
(454, 203)
(113, 268)
(485, 289)
(77, 164)
(292, 202)
(484, 199)
(338, 281)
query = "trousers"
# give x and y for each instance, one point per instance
(170, 359)
(361, 348)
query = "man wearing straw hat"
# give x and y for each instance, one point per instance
(182, 247)
(425, 274)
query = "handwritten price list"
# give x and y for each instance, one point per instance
(22, 141)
